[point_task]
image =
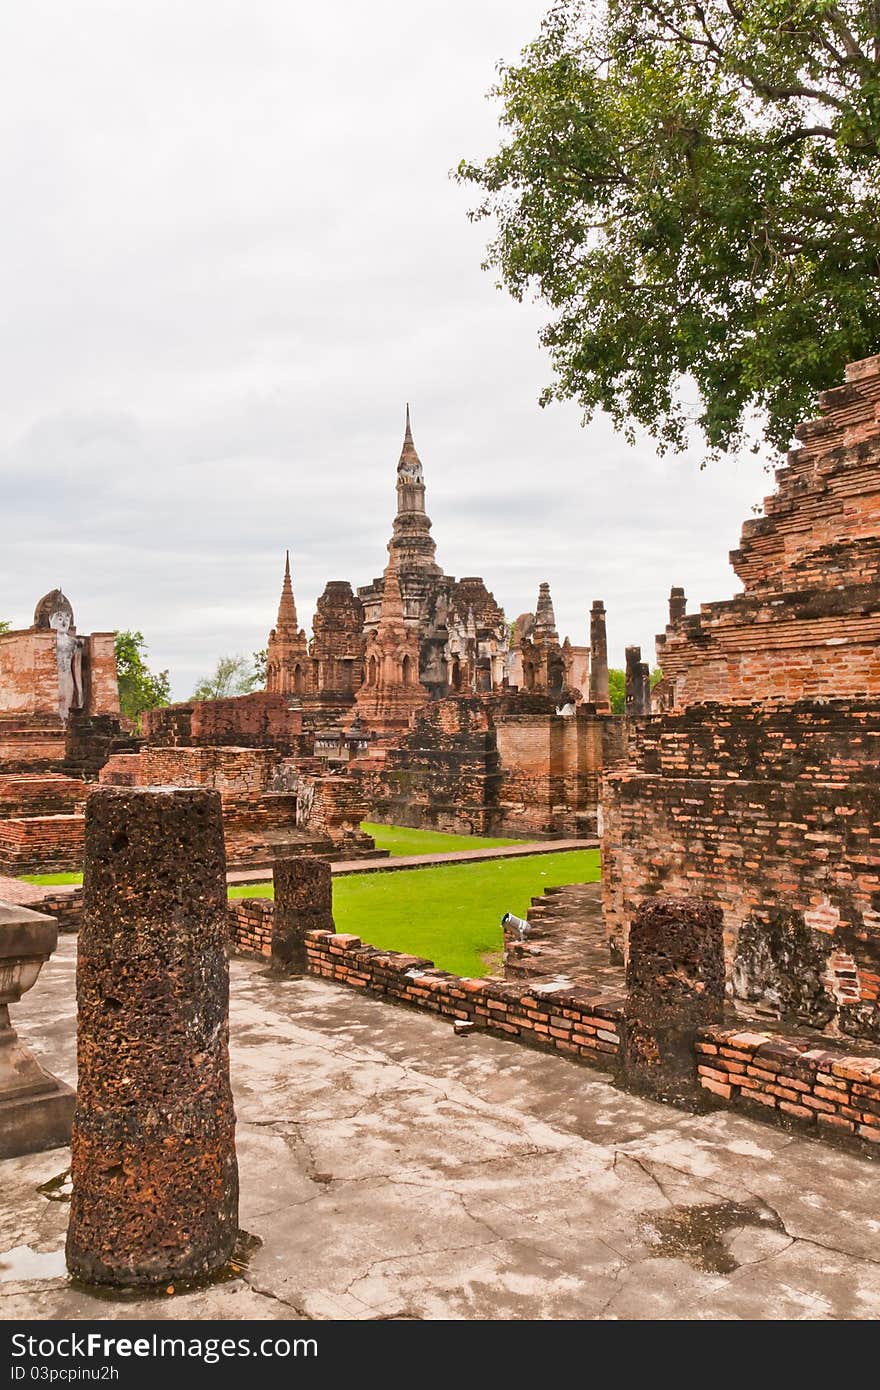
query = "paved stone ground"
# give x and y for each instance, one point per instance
(392, 1170)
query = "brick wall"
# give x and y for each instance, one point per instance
(758, 844)
(787, 1081)
(791, 1080)
(41, 844)
(572, 1021)
(552, 770)
(444, 775)
(760, 788)
(259, 720)
(250, 927)
(808, 622)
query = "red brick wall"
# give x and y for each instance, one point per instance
(250, 927)
(792, 1081)
(572, 1021)
(43, 844)
(808, 622)
(260, 720)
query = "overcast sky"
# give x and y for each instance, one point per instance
(232, 252)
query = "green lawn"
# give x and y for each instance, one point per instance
(50, 880)
(450, 914)
(399, 839)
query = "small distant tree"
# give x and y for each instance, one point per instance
(261, 659)
(617, 687)
(5, 627)
(233, 675)
(617, 690)
(139, 687)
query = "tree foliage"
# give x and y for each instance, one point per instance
(617, 690)
(617, 687)
(139, 687)
(4, 626)
(693, 188)
(233, 675)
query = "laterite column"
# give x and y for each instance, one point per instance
(303, 903)
(675, 988)
(155, 1180)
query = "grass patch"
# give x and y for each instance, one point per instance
(51, 880)
(451, 913)
(399, 839)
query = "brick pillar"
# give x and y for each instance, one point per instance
(155, 1180)
(303, 903)
(598, 657)
(677, 605)
(675, 988)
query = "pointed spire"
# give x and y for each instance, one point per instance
(409, 467)
(287, 606)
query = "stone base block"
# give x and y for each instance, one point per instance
(31, 1124)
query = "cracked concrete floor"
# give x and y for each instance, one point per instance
(392, 1170)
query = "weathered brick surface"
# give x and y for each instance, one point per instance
(808, 622)
(261, 720)
(793, 1082)
(759, 789)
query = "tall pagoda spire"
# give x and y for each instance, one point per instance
(411, 541)
(287, 607)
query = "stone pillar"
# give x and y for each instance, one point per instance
(633, 681)
(303, 903)
(155, 1181)
(644, 689)
(677, 605)
(675, 988)
(598, 657)
(35, 1107)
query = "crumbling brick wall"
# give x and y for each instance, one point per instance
(260, 720)
(751, 790)
(444, 775)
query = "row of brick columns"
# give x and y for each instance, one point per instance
(154, 1172)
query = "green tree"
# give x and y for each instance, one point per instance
(693, 189)
(617, 690)
(617, 687)
(139, 687)
(5, 627)
(260, 660)
(233, 675)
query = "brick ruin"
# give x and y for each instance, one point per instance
(757, 786)
(59, 722)
(415, 688)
